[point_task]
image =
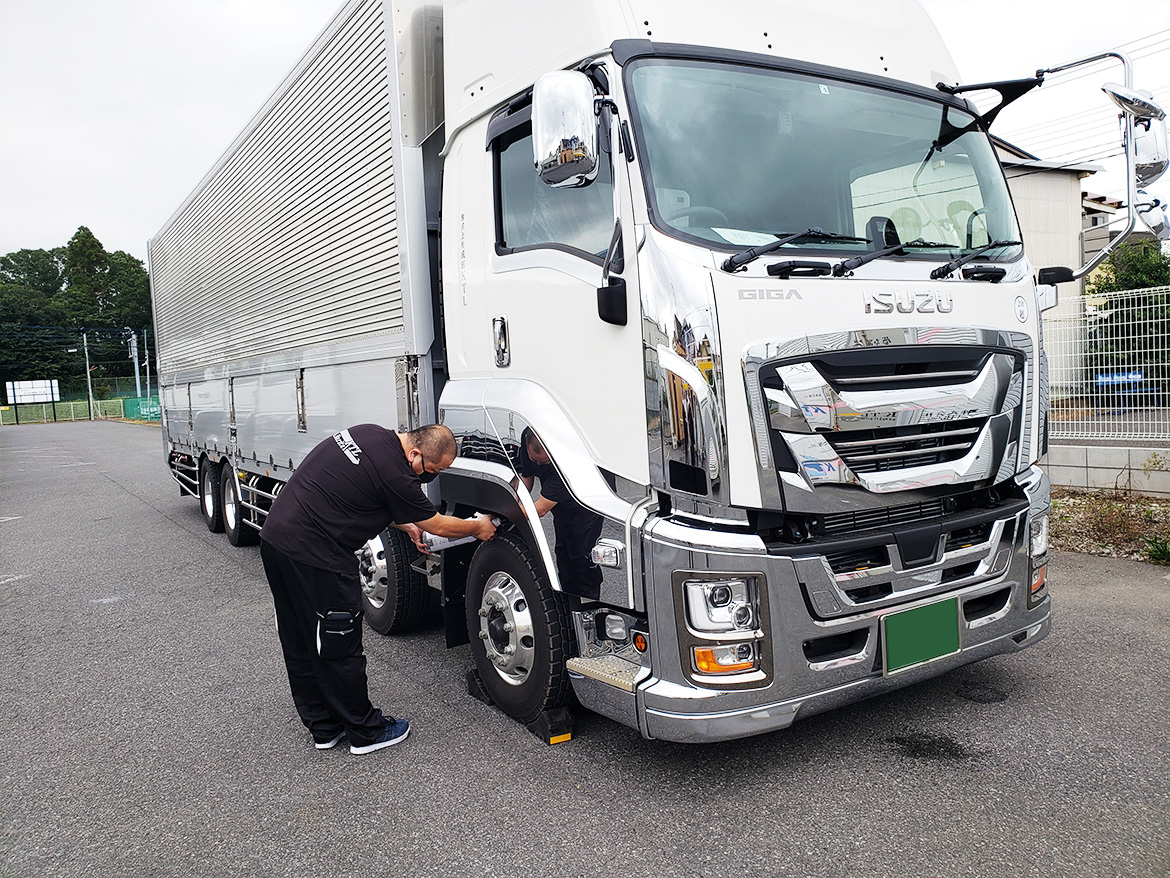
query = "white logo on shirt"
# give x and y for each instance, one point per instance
(350, 448)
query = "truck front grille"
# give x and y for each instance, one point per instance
(894, 448)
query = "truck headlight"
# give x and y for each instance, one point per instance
(1038, 560)
(720, 606)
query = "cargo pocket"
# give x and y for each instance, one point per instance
(338, 633)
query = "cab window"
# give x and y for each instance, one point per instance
(532, 214)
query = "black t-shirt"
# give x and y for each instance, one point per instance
(347, 490)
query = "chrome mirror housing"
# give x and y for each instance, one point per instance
(1151, 153)
(564, 129)
(1140, 105)
(1155, 216)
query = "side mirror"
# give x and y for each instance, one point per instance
(1154, 215)
(1152, 155)
(1058, 274)
(564, 129)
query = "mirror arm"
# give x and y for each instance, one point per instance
(1130, 158)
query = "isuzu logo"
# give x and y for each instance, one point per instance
(907, 302)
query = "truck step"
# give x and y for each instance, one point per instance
(609, 669)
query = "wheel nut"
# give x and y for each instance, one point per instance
(483, 611)
(508, 626)
(509, 649)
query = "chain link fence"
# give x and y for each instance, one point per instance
(1109, 367)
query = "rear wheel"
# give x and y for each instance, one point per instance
(518, 629)
(209, 497)
(238, 531)
(395, 598)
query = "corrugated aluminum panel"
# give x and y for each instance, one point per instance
(292, 240)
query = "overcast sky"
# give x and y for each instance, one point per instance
(112, 110)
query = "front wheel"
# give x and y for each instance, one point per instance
(209, 498)
(518, 629)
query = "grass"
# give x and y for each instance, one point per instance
(1112, 523)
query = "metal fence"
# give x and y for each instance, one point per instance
(133, 409)
(1109, 367)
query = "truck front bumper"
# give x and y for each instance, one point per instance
(822, 633)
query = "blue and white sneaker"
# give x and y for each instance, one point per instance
(393, 731)
(330, 744)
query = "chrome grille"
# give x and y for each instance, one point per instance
(870, 451)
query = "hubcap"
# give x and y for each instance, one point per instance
(505, 627)
(229, 505)
(208, 497)
(372, 569)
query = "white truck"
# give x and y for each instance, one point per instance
(753, 277)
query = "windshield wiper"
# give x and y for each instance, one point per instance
(738, 260)
(949, 269)
(847, 265)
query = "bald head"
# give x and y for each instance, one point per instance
(435, 441)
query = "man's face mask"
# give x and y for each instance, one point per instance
(425, 476)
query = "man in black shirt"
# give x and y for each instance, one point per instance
(347, 490)
(577, 528)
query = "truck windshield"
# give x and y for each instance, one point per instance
(737, 157)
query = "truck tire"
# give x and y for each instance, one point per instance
(396, 599)
(518, 629)
(239, 533)
(209, 498)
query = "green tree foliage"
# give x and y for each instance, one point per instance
(1134, 266)
(49, 297)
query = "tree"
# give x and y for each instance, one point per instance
(1133, 266)
(87, 266)
(49, 297)
(40, 270)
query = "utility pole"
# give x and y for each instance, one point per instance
(133, 340)
(146, 358)
(88, 383)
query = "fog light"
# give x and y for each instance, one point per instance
(731, 659)
(615, 627)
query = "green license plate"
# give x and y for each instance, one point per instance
(921, 635)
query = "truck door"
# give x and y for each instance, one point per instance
(542, 282)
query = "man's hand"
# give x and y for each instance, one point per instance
(416, 535)
(485, 530)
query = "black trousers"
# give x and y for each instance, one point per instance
(331, 692)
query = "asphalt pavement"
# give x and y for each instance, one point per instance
(151, 733)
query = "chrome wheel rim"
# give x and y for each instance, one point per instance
(230, 508)
(505, 627)
(373, 573)
(208, 498)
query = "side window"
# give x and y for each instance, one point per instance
(531, 214)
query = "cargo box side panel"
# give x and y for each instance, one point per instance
(292, 240)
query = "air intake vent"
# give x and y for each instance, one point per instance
(871, 451)
(852, 560)
(868, 519)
